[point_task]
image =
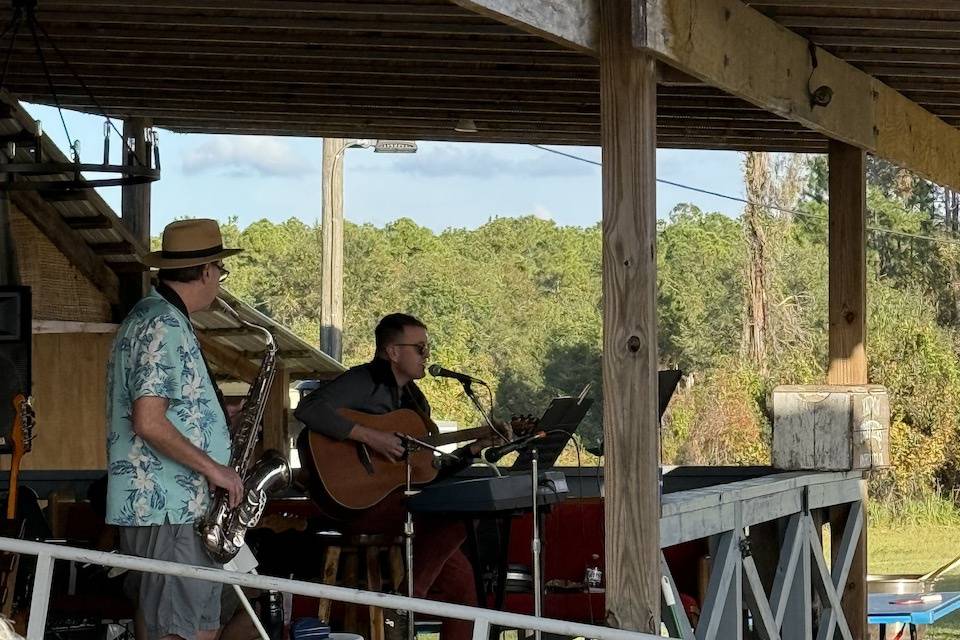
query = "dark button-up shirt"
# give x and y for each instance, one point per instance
(371, 388)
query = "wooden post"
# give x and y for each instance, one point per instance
(848, 265)
(275, 435)
(331, 270)
(628, 135)
(135, 211)
(847, 317)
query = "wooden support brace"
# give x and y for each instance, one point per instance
(832, 616)
(227, 359)
(786, 569)
(721, 576)
(763, 620)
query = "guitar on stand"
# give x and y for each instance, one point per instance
(21, 439)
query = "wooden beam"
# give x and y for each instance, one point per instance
(135, 208)
(572, 23)
(70, 326)
(847, 297)
(230, 331)
(727, 44)
(290, 354)
(135, 199)
(331, 267)
(98, 221)
(228, 359)
(276, 412)
(47, 219)
(111, 248)
(628, 133)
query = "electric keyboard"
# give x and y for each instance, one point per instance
(489, 495)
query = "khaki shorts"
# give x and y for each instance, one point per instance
(171, 605)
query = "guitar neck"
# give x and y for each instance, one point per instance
(12, 491)
(460, 435)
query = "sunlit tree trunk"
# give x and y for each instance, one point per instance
(757, 315)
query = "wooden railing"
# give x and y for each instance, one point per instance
(782, 513)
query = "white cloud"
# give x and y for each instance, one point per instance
(540, 211)
(246, 156)
(447, 160)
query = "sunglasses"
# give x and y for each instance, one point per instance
(224, 272)
(422, 348)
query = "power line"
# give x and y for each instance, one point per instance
(802, 214)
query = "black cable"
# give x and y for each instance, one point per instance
(31, 22)
(801, 214)
(103, 112)
(18, 21)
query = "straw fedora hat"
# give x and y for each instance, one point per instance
(188, 243)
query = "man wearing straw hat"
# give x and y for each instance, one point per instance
(168, 440)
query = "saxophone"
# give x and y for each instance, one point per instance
(222, 529)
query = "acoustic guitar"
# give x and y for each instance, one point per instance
(22, 438)
(349, 476)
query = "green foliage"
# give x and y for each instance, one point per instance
(517, 302)
(699, 308)
(719, 421)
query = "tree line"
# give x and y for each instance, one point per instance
(742, 307)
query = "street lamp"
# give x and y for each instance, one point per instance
(331, 226)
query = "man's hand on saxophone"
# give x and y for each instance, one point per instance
(150, 423)
(224, 477)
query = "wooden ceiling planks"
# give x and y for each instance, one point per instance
(911, 45)
(412, 68)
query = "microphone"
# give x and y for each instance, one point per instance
(439, 372)
(492, 454)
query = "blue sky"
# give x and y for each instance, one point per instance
(442, 185)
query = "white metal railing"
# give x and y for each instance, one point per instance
(482, 618)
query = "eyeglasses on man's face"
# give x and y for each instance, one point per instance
(422, 348)
(224, 272)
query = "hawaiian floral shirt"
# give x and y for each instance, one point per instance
(156, 353)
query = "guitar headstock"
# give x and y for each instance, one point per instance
(22, 435)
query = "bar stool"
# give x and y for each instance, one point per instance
(342, 566)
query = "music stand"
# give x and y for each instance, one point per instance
(559, 421)
(667, 381)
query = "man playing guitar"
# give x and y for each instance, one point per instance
(386, 384)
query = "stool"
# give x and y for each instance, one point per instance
(349, 551)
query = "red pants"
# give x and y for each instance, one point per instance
(441, 571)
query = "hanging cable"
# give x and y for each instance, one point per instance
(801, 214)
(53, 91)
(15, 25)
(93, 98)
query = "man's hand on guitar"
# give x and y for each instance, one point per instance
(386, 444)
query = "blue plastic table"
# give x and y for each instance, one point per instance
(884, 609)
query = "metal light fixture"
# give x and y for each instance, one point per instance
(465, 125)
(383, 146)
(40, 173)
(395, 146)
(378, 146)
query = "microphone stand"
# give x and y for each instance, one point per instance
(535, 542)
(409, 448)
(411, 444)
(468, 389)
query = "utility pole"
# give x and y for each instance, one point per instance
(331, 269)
